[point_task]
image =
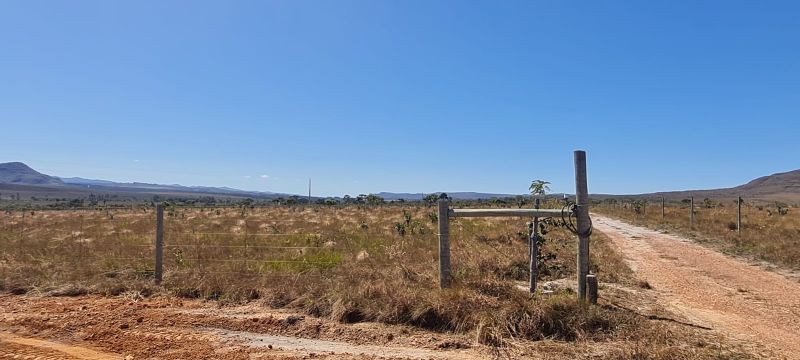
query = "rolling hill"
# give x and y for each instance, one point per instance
(18, 173)
(19, 178)
(783, 186)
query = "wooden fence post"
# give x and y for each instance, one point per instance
(583, 222)
(691, 212)
(444, 243)
(739, 215)
(159, 270)
(534, 250)
(662, 208)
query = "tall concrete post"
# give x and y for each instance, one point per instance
(583, 222)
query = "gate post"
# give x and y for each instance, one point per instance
(444, 243)
(583, 222)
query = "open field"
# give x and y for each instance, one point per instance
(766, 234)
(341, 265)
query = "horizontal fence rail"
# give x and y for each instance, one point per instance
(540, 213)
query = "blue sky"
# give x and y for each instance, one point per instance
(417, 96)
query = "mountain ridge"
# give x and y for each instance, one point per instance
(149, 186)
(783, 186)
(778, 186)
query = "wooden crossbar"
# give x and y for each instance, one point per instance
(540, 213)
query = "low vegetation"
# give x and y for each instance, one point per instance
(770, 230)
(350, 263)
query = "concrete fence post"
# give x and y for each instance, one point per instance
(591, 284)
(159, 252)
(583, 225)
(444, 243)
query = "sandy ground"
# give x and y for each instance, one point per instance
(711, 289)
(93, 327)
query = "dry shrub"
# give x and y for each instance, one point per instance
(344, 263)
(68, 290)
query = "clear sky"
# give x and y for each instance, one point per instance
(415, 96)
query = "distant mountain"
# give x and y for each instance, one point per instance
(780, 186)
(82, 181)
(786, 182)
(453, 195)
(17, 176)
(20, 174)
(105, 184)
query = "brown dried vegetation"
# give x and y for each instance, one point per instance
(344, 263)
(770, 231)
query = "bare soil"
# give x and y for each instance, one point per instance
(94, 327)
(729, 295)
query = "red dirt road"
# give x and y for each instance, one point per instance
(711, 289)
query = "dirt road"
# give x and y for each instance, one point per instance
(711, 289)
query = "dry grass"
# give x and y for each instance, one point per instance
(346, 263)
(765, 235)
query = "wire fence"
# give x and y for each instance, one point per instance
(280, 243)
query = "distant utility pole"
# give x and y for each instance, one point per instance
(309, 190)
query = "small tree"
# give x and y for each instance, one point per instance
(431, 199)
(520, 201)
(783, 209)
(373, 199)
(407, 217)
(708, 203)
(638, 205)
(539, 187)
(400, 228)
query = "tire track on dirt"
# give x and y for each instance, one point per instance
(712, 289)
(18, 347)
(304, 346)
